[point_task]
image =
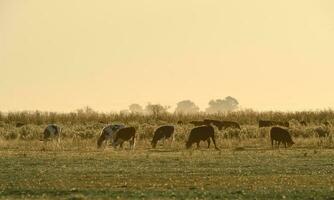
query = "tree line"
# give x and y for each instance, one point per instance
(185, 107)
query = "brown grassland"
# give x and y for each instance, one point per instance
(245, 168)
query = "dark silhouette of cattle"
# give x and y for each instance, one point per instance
(322, 132)
(198, 123)
(222, 124)
(163, 132)
(108, 133)
(51, 131)
(179, 122)
(269, 123)
(19, 124)
(125, 134)
(278, 134)
(303, 123)
(201, 133)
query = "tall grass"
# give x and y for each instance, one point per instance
(87, 125)
(244, 117)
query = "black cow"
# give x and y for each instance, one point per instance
(125, 134)
(108, 133)
(280, 135)
(269, 123)
(163, 132)
(222, 124)
(201, 133)
(51, 131)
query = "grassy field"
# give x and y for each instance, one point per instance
(77, 170)
(246, 167)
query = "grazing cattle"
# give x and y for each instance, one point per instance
(322, 132)
(19, 124)
(279, 135)
(269, 123)
(198, 123)
(201, 133)
(222, 124)
(163, 132)
(125, 134)
(51, 131)
(108, 133)
(303, 123)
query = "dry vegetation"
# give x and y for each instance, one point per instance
(246, 167)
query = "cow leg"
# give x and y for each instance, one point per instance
(208, 140)
(278, 143)
(285, 144)
(214, 142)
(272, 143)
(172, 140)
(132, 143)
(197, 145)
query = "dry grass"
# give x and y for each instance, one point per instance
(246, 168)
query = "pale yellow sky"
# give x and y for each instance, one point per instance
(65, 54)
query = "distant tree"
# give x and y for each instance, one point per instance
(156, 109)
(136, 108)
(124, 112)
(222, 105)
(186, 107)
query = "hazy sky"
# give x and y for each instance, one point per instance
(65, 54)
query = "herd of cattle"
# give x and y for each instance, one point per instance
(203, 131)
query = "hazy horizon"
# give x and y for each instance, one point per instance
(64, 55)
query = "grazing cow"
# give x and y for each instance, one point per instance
(198, 123)
(303, 123)
(51, 131)
(222, 124)
(19, 124)
(125, 134)
(269, 123)
(108, 133)
(163, 132)
(280, 135)
(322, 132)
(201, 133)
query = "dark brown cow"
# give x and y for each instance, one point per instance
(125, 134)
(179, 122)
(201, 133)
(279, 135)
(163, 132)
(222, 124)
(269, 123)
